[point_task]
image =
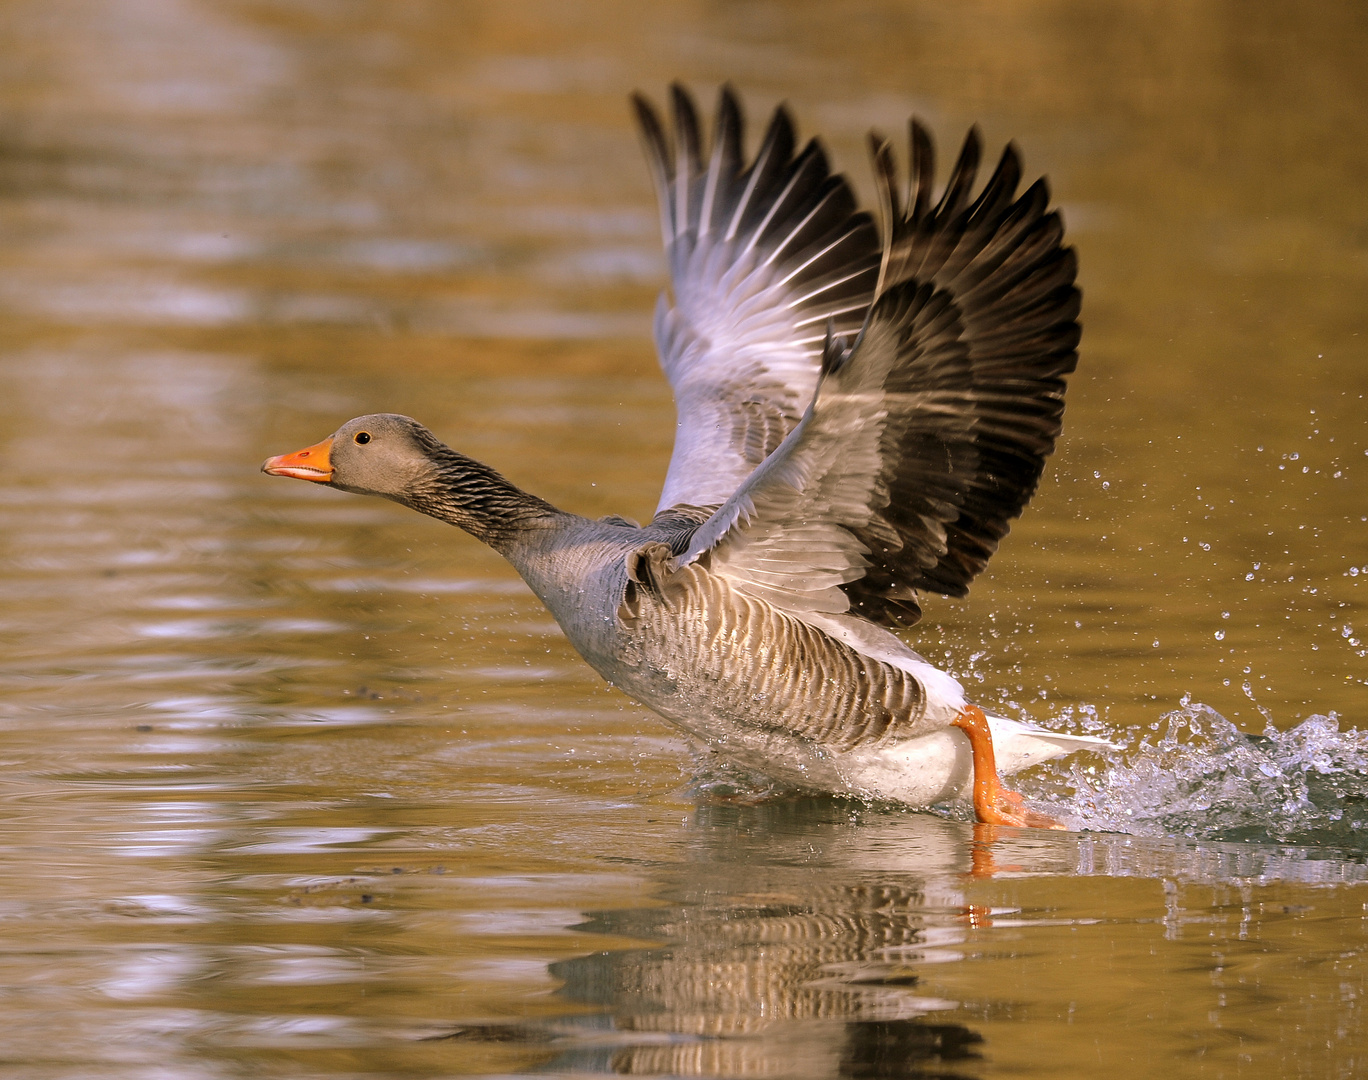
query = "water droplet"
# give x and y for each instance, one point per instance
(1220, 635)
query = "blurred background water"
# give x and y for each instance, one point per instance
(300, 784)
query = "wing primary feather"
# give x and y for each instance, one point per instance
(659, 159)
(774, 165)
(832, 192)
(776, 147)
(686, 156)
(922, 166)
(961, 180)
(827, 286)
(997, 193)
(726, 156)
(812, 152)
(885, 168)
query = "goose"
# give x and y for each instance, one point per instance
(861, 413)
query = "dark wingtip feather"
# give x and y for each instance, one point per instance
(922, 166)
(687, 157)
(771, 161)
(724, 163)
(782, 131)
(652, 131)
(962, 176)
(885, 168)
(641, 103)
(730, 123)
(658, 158)
(729, 105)
(998, 193)
(686, 127)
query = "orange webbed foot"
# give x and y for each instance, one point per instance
(1009, 808)
(993, 803)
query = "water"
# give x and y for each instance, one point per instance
(300, 784)
(1196, 774)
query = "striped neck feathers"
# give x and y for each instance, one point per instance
(469, 494)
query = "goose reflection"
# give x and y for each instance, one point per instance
(811, 938)
(752, 965)
(770, 984)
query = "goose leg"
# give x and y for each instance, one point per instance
(993, 803)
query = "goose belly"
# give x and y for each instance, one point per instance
(764, 688)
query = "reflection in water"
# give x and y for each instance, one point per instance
(769, 983)
(754, 968)
(749, 964)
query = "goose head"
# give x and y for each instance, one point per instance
(381, 454)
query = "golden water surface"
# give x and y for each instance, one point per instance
(300, 784)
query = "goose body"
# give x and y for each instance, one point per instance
(860, 416)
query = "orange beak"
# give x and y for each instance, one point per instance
(311, 463)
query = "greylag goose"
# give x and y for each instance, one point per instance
(859, 418)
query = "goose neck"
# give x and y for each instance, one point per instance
(469, 494)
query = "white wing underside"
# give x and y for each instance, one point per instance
(762, 256)
(738, 391)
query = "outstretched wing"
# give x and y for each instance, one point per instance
(929, 435)
(761, 256)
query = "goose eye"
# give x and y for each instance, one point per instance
(363, 437)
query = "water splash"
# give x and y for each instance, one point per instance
(1195, 774)
(1191, 774)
